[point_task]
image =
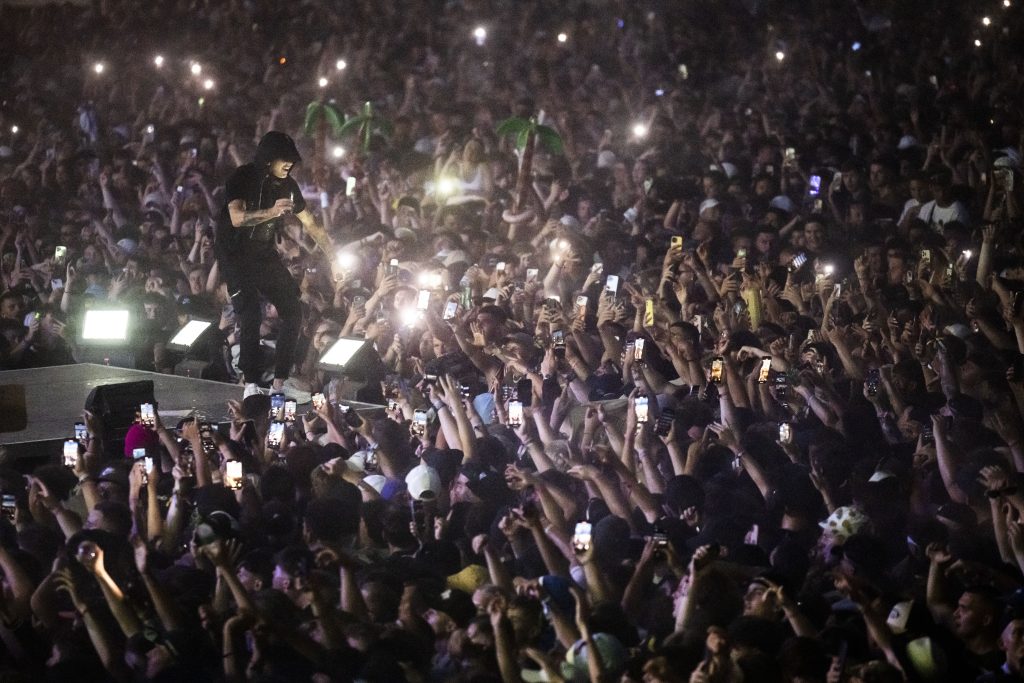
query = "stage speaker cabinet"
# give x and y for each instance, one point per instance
(117, 407)
(13, 413)
(197, 369)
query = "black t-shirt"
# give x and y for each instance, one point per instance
(259, 190)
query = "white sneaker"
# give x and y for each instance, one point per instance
(295, 393)
(251, 390)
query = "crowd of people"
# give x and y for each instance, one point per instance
(715, 378)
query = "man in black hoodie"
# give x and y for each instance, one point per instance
(258, 196)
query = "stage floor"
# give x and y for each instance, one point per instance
(55, 397)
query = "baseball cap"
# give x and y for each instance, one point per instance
(570, 222)
(154, 216)
(844, 522)
(899, 615)
(880, 476)
(708, 204)
(453, 257)
(127, 245)
(377, 481)
(1010, 158)
(114, 475)
(421, 480)
(405, 235)
(606, 159)
(907, 142)
(469, 579)
(614, 658)
(727, 168)
(782, 203)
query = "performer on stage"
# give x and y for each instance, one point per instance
(258, 196)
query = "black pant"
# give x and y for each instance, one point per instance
(257, 271)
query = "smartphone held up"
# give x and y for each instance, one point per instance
(582, 537)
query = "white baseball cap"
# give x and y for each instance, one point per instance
(423, 478)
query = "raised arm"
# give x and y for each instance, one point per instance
(314, 230)
(107, 648)
(20, 585)
(166, 608)
(92, 558)
(946, 460)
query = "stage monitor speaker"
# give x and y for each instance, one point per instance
(117, 405)
(198, 369)
(13, 414)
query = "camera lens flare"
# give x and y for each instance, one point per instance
(780, 55)
(98, 67)
(347, 260)
(158, 61)
(196, 68)
(338, 151)
(562, 37)
(341, 65)
(409, 317)
(429, 280)
(639, 130)
(322, 82)
(208, 84)
(445, 186)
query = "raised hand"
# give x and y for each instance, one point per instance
(938, 553)
(281, 207)
(90, 555)
(1015, 532)
(65, 582)
(726, 436)
(518, 479)
(993, 478)
(584, 472)
(216, 551)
